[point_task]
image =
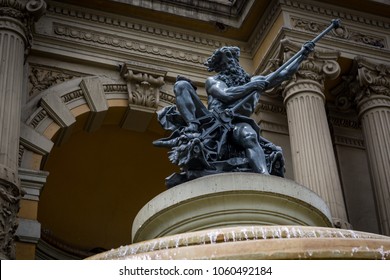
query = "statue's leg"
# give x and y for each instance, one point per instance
(245, 136)
(188, 103)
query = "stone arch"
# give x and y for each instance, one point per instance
(52, 116)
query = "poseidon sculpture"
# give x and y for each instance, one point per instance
(222, 137)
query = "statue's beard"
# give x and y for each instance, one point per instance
(234, 75)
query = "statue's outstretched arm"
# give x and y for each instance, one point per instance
(222, 92)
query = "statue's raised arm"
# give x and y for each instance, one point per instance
(293, 63)
(286, 71)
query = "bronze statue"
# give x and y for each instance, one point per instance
(223, 137)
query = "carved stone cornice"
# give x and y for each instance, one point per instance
(312, 9)
(133, 25)
(102, 38)
(143, 83)
(342, 32)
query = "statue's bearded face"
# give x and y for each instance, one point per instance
(223, 59)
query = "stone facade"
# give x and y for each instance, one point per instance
(75, 70)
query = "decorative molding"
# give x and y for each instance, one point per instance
(343, 122)
(134, 26)
(169, 98)
(349, 142)
(73, 95)
(342, 32)
(115, 88)
(342, 14)
(268, 107)
(100, 38)
(37, 117)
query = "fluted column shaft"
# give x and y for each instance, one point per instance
(15, 23)
(374, 113)
(311, 145)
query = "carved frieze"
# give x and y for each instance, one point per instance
(41, 78)
(314, 9)
(343, 122)
(269, 107)
(135, 26)
(169, 98)
(40, 115)
(99, 38)
(115, 88)
(342, 32)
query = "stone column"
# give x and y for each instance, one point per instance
(311, 145)
(374, 112)
(16, 19)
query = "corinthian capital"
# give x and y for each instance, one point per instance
(20, 15)
(319, 65)
(22, 9)
(373, 78)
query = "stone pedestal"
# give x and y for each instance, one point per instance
(226, 200)
(243, 216)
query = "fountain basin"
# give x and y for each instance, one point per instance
(258, 242)
(228, 200)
